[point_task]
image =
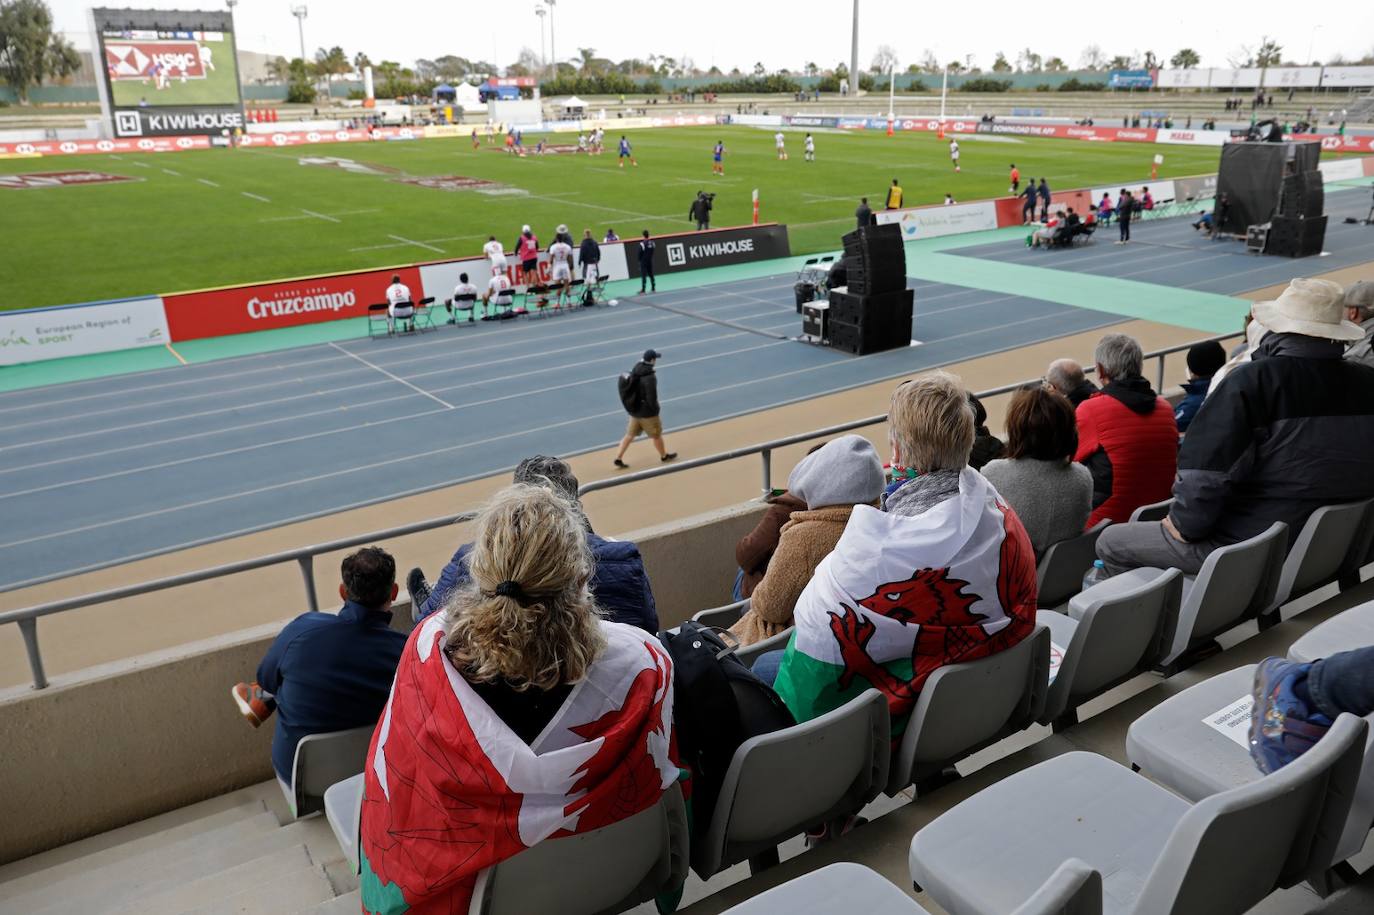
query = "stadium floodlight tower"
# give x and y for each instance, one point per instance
(553, 48)
(300, 13)
(854, 54)
(543, 57)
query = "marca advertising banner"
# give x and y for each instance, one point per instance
(79, 330)
(713, 248)
(934, 221)
(77, 147)
(264, 306)
(439, 278)
(1194, 137)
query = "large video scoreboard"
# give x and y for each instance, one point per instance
(167, 72)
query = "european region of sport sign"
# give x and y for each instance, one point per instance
(80, 330)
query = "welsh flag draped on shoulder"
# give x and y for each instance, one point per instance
(901, 596)
(450, 789)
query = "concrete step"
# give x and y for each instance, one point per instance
(289, 893)
(294, 861)
(112, 886)
(49, 867)
(348, 904)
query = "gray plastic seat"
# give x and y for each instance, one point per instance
(601, 872)
(722, 617)
(323, 760)
(750, 653)
(1329, 547)
(1114, 632)
(1060, 573)
(1235, 583)
(343, 808)
(781, 784)
(1155, 511)
(1157, 854)
(1173, 745)
(1353, 628)
(843, 887)
(965, 707)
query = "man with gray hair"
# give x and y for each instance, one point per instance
(1068, 378)
(1359, 309)
(1127, 435)
(619, 584)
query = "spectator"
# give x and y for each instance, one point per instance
(831, 481)
(1048, 490)
(516, 716)
(1126, 434)
(944, 570)
(329, 671)
(894, 196)
(589, 257)
(639, 397)
(986, 446)
(1147, 200)
(756, 548)
(863, 216)
(1288, 432)
(1067, 377)
(1104, 210)
(1044, 236)
(1359, 309)
(619, 582)
(1296, 703)
(1204, 361)
(610, 237)
(646, 263)
(700, 212)
(399, 305)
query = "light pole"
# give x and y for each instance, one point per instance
(854, 54)
(553, 48)
(541, 13)
(1311, 42)
(300, 12)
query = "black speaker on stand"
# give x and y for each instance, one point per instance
(873, 311)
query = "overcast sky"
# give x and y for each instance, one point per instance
(784, 34)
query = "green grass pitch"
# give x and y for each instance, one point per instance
(200, 219)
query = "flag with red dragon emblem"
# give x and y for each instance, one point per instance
(901, 596)
(450, 789)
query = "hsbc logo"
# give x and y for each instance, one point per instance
(104, 145)
(312, 137)
(677, 254)
(146, 144)
(341, 135)
(279, 138)
(185, 142)
(68, 147)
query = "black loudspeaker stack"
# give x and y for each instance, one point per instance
(873, 312)
(1296, 236)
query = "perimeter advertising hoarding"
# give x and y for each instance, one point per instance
(1130, 79)
(266, 306)
(167, 72)
(934, 221)
(79, 330)
(75, 147)
(713, 248)
(1347, 77)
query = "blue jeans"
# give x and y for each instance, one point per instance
(766, 665)
(1341, 683)
(737, 592)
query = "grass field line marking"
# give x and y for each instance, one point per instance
(140, 164)
(395, 378)
(604, 209)
(255, 196)
(423, 242)
(168, 171)
(207, 181)
(310, 214)
(411, 241)
(190, 436)
(318, 215)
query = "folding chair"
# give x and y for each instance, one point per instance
(596, 286)
(323, 760)
(1329, 548)
(405, 312)
(377, 323)
(1158, 853)
(466, 303)
(1351, 629)
(1155, 511)
(343, 808)
(1060, 573)
(751, 653)
(423, 318)
(722, 617)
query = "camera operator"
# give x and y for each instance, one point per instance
(700, 210)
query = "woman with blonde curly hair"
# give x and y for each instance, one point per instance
(517, 715)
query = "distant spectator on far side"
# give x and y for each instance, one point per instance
(1067, 377)
(1204, 360)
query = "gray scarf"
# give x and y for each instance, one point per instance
(920, 494)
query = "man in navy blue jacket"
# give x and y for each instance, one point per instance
(330, 672)
(619, 584)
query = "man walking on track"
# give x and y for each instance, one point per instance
(646, 263)
(639, 396)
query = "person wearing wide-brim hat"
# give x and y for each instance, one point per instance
(1285, 434)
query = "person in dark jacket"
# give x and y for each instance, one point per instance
(642, 405)
(700, 211)
(1284, 434)
(1044, 192)
(863, 216)
(1030, 194)
(1125, 212)
(646, 263)
(1068, 378)
(1204, 359)
(589, 255)
(1126, 434)
(619, 582)
(986, 446)
(329, 671)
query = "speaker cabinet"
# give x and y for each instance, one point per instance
(1291, 236)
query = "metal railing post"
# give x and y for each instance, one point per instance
(29, 630)
(1159, 376)
(767, 455)
(307, 564)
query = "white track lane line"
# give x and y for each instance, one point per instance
(395, 378)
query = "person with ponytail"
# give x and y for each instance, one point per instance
(518, 714)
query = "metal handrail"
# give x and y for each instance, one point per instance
(27, 617)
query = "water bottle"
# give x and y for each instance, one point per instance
(1094, 575)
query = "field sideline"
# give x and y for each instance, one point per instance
(218, 217)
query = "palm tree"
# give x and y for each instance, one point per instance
(279, 70)
(587, 54)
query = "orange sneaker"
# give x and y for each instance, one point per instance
(254, 704)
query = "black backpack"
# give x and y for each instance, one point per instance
(630, 397)
(718, 704)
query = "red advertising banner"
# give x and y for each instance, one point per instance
(311, 137)
(77, 147)
(1333, 143)
(242, 309)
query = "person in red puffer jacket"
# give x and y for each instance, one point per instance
(1126, 434)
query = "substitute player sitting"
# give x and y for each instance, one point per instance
(560, 270)
(500, 294)
(399, 305)
(464, 299)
